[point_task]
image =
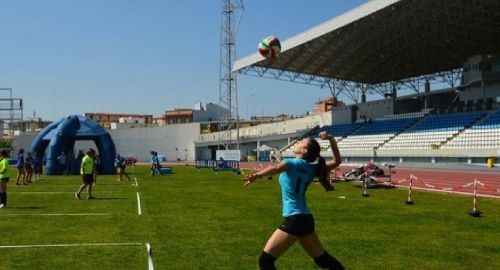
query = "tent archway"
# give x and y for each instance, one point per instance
(61, 135)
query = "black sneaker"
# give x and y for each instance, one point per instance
(77, 195)
(90, 197)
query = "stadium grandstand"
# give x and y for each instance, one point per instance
(431, 68)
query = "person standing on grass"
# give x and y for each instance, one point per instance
(62, 159)
(4, 177)
(87, 171)
(37, 166)
(28, 166)
(121, 164)
(97, 165)
(21, 172)
(295, 176)
(155, 163)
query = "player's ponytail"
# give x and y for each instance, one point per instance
(323, 174)
(313, 154)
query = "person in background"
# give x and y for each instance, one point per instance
(4, 177)
(87, 171)
(62, 160)
(80, 155)
(37, 166)
(28, 166)
(155, 163)
(120, 165)
(97, 165)
(21, 172)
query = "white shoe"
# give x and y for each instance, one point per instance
(2, 205)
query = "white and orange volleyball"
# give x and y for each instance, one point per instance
(270, 47)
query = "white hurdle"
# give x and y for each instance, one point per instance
(409, 201)
(474, 212)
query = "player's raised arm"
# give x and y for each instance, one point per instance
(332, 164)
(267, 171)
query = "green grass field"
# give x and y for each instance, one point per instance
(196, 219)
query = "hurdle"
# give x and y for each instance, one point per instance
(474, 212)
(365, 185)
(409, 200)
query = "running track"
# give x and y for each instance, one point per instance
(434, 179)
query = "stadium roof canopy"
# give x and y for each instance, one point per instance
(387, 40)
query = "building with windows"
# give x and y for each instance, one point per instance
(326, 105)
(201, 113)
(106, 119)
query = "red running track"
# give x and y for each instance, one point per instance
(434, 179)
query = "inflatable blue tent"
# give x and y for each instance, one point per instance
(61, 135)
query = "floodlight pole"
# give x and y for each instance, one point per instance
(14, 108)
(228, 95)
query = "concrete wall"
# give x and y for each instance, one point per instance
(342, 115)
(475, 93)
(172, 141)
(207, 112)
(375, 109)
(23, 141)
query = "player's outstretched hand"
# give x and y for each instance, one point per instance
(249, 179)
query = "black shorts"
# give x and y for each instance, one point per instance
(6, 179)
(298, 225)
(88, 178)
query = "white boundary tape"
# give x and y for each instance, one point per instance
(148, 248)
(72, 245)
(53, 192)
(150, 260)
(41, 192)
(79, 214)
(452, 192)
(139, 211)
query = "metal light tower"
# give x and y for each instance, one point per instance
(11, 113)
(228, 94)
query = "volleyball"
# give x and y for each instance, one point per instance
(270, 47)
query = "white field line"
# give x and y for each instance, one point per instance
(53, 192)
(139, 211)
(136, 184)
(41, 192)
(148, 248)
(56, 214)
(72, 245)
(150, 260)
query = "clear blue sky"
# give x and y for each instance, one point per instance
(75, 56)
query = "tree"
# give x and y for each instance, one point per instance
(5, 143)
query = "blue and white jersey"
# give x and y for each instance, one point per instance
(294, 182)
(20, 161)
